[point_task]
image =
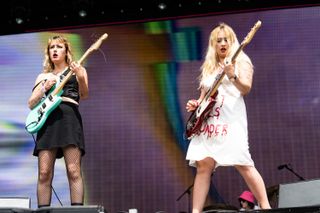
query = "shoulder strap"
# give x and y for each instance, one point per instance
(39, 83)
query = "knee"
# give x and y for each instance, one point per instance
(73, 171)
(45, 175)
(205, 167)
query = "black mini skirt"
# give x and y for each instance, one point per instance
(62, 128)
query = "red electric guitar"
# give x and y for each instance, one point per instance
(200, 114)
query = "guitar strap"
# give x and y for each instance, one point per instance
(38, 84)
(61, 78)
(64, 74)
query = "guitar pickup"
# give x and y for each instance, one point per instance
(40, 113)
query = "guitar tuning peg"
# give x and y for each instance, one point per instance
(94, 35)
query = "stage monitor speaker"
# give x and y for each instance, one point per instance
(72, 209)
(15, 210)
(303, 193)
(15, 202)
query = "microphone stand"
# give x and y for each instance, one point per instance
(291, 170)
(187, 191)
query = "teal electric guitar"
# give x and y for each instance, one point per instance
(39, 114)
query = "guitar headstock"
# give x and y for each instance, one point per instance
(252, 32)
(94, 46)
(98, 43)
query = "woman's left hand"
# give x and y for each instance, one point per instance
(229, 69)
(77, 69)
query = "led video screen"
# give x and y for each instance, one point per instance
(134, 119)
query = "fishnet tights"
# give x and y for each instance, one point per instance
(72, 157)
(46, 161)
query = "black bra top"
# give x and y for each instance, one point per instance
(70, 89)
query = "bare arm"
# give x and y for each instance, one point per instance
(243, 81)
(42, 87)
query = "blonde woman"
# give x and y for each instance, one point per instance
(62, 134)
(223, 137)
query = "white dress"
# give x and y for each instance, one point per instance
(224, 136)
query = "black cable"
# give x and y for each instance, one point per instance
(54, 191)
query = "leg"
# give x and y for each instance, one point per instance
(256, 184)
(46, 160)
(72, 156)
(202, 183)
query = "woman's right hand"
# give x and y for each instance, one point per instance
(51, 80)
(192, 105)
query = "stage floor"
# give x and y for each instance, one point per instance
(100, 209)
(303, 209)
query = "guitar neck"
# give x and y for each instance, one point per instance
(62, 83)
(93, 47)
(246, 40)
(220, 76)
(235, 55)
(85, 55)
(215, 85)
(70, 73)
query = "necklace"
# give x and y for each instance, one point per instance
(58, 73)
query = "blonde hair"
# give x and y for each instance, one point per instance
(211, 62)
(48, 66)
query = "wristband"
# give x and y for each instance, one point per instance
(233, 78)
(43, 89)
